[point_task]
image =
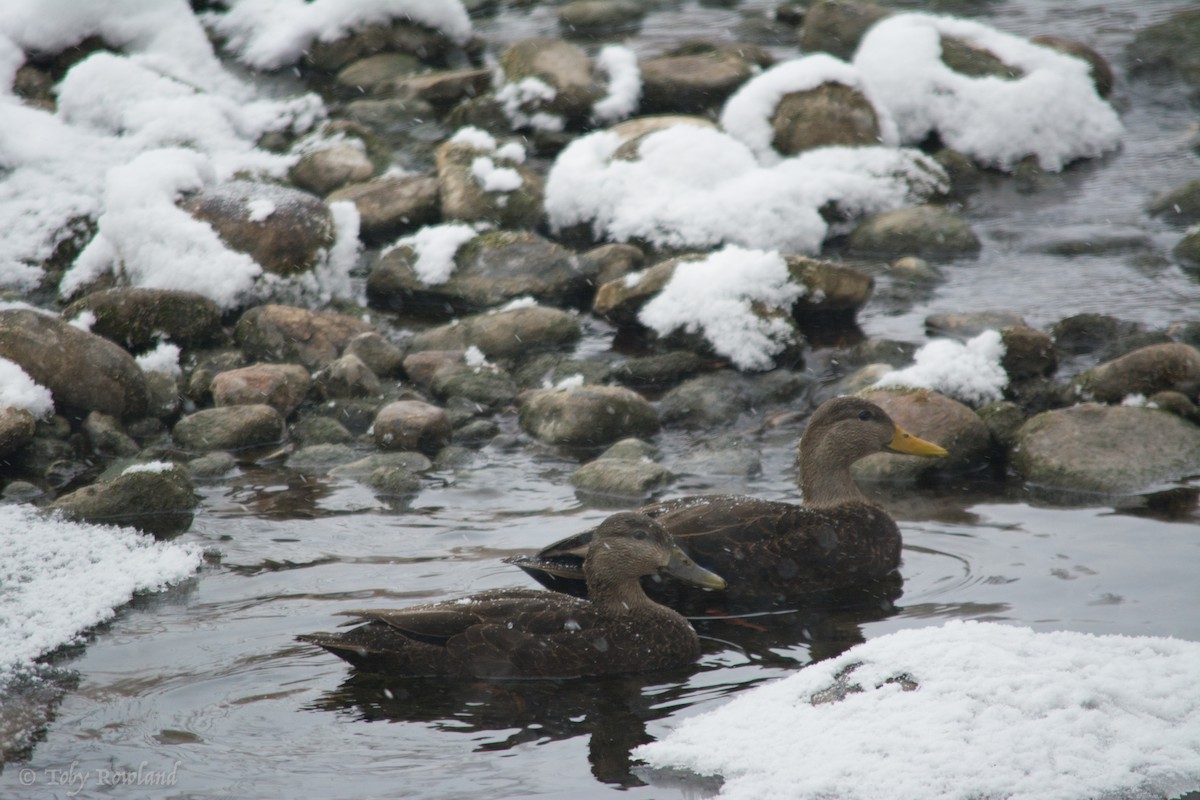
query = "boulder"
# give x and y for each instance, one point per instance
(17, 427)
(831, 114)
(396, 36)
(281, 386)
(560, 65)
(412, 425)
(82, 370)
(1106, 449)
(600, 17)
(347, 376)
(229, 428)
(323, 170)
(1156, 368)
(487, 385)
(697, 78)
(381, 356)
(586, 415)
(933, 417)
(157, 498)
(465, 194)
(447, 87)
(376, 74)
(513, 334)
(837, 26)
(927, 231)
(287, 333)
(138, 319)
(1028, 353)
(391, 206)
(107, 437)
(1180, 205)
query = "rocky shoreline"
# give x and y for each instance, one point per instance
(386, 388)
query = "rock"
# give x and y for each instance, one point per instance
(1180, 205)
(513, 334)
(586, 415)
(829, 287)
(877, 350)
(376, 74)
(860, 379)
(287, 333)
(1171, 46)
(547, 370)
(608, 262)
(107, 437)
(82, 370)
(312, 430)
(347, 376)
(1187, 251)
(964, 174)
(562, 66)
(830, 114)
(1028, 353)
(421, 365)
(398, 36)
(445, 88)
(486, 385)
(707, 401)
(837, 26)
(156, 498)
(328, 168)
(229, 428)
(286, 231)
(933, 417)
(927, 231)
(631, 132)
(1156, 368)
(726, 455)
(464, 195)
(661, 370)
(970, 325)
(1101, 71)
(138, 319)
(698, 78)
(490, 270)
(281, 386)
(363, 468)
(211, 466)
(17, 427)
(381, 356)
(388, 207)
(1176, 403)
(1003, 419)
(412, 425)
(620, 301)
(620, 479)
(1108, 449)
(319, 459)
(1091, 333)
(972, 60)
(600, 17)
(397, 122)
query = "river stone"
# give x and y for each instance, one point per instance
(362, 469)
(1180, 205)
(198, 384)
(399, 36)
(106, 436)
(661, 370)
(1098, 66)
(389, 207)
(620, 301)
(827, 115)
(138, 319)
(698, 78)
(286, 231)
(1003, 419)
(211, 466)
(463, 198)
(1028, 353)
(837, 26)
(421, 365)
(281, 386)
(829, 287)
(620, 479)
(935, 418)
(288, 333)
(563, 67)
(412, 425)
(313, 430)
(375, 74)
(17, 427)
(381, 356)
(972, 323)
(598, 17)
(229, 428)
(321, 458)
(340, 163)
(878, 350)
(159, 501)
(1176, 403)
(586, 415)
(446, 87)
(1171, 46)
(545, 370)
(347, 376)
(82, 370)
(1187, 251)
(485, 385)
(1156, 368)
(727, 455)
(514, 334)
(608, 262)
(706, 401)
(490, 270)
(927, 231)
(1110, 449)
(632, 132)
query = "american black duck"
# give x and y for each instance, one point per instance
(529, 633)
(773, 553)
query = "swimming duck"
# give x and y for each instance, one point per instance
(531, 633)
(775, 553)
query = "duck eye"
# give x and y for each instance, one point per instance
(864, 415)
(639, 535)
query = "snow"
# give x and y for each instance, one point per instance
(747, 114)
(153, 467)
(1052, 111)
(269, 34)
(164, 358)
(492, 178)
(696, 187)
(435, 246)
(520, 101)
(18, 390)
(58, 578)
(474, 137)
(713, 297)
(999, 712)
(619, 64)
(970, 372)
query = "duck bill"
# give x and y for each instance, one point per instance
(681, 566)
(905, 442)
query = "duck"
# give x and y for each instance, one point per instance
(523, 633)
(835, 545)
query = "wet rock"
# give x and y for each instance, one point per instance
(389, 207)
(660, 370)
(421, 365)
(546, 370)
(347, 376)
(1082, 240)
(356, 414)
(969, 325)
(880, 351)
(560, 65)
(609, 262)
(198, 384)
(466, 195)
(445, 88)
(1171, 47)
(1156, 368)
(620, 301)
(229, 428)
(377, 74)
(837, 26)
(586, 415)
(1176, 403)
(490, 270)
(714, 399)
(393, 481)
(319, 459)
(138, 319)
(362, 469)
(1028, 353)
(17, 427)
(1187, 251)
(381, 356)
(1003, 419)
(970, 59)
(515, 333)
(486, 385)
(726, 455)
(281, 386)
(286, 231)
(211, 466)
(1109, 449)
(412, 425)
(830, 114)
(964, 174)
(852, 383)
(287, 333)
(1098, 66)
(927, 231)
(698, 77)
(156, 498)
(600, 17)
(1090, 333)
(620, 479)
(933, 417)
(400, 36)
(340, 163)
(82, 370)
(1180, 205)
(829, 287)
(314, 430)
(106, 436)
(396, 122)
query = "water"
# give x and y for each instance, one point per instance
(205, 685)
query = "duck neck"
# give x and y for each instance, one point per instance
(616, 596)
(825, 478)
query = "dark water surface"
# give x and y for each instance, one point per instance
(207, 680)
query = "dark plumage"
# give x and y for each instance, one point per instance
(529, 633)
(773, 553)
